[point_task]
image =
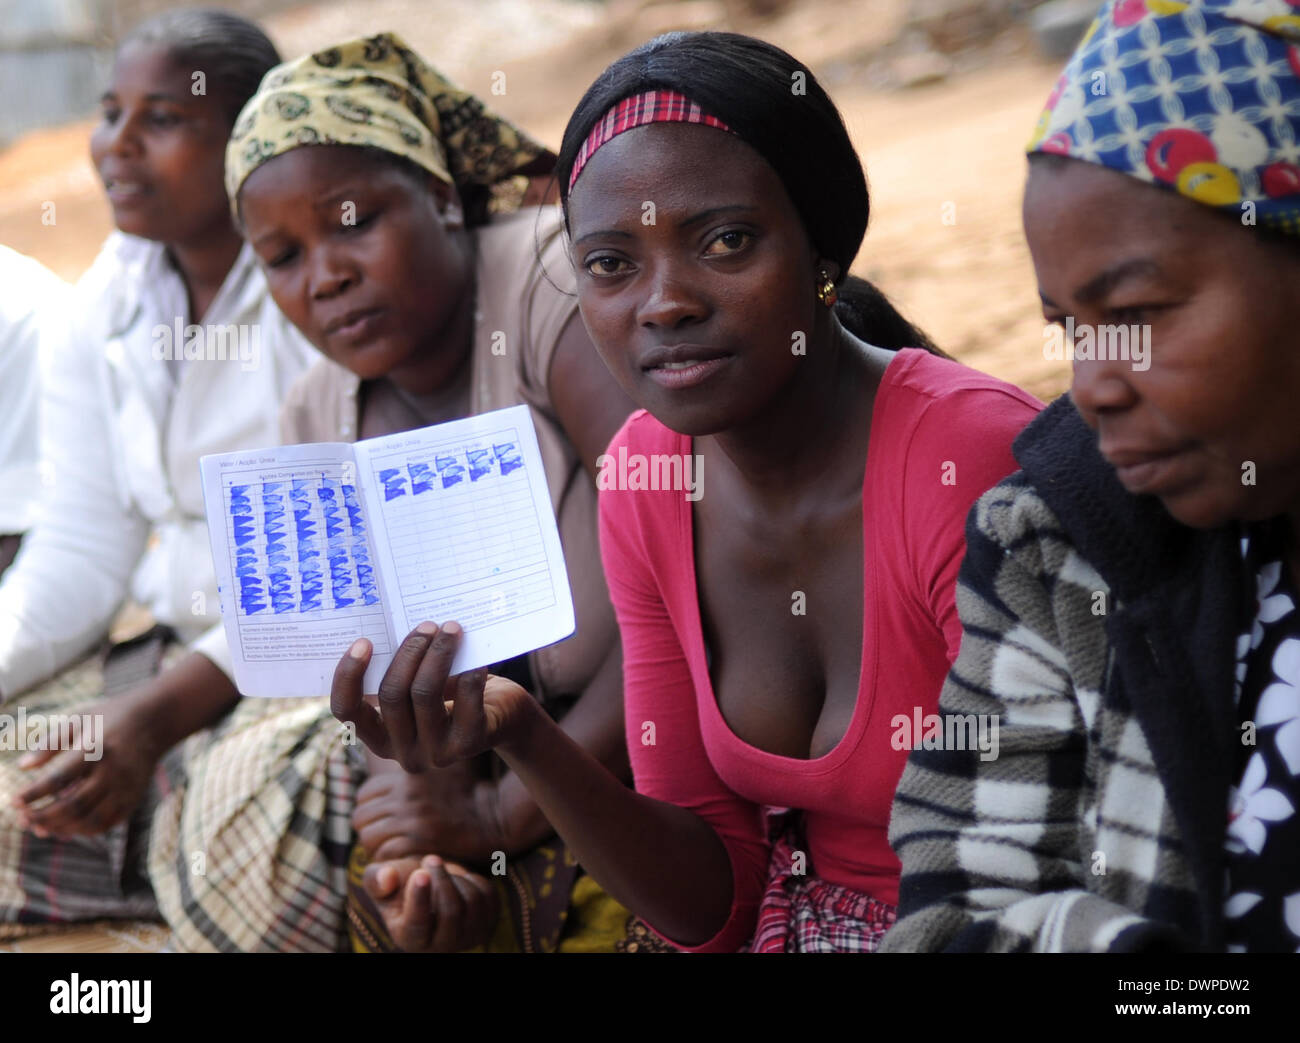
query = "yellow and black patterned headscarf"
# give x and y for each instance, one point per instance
(376, 92)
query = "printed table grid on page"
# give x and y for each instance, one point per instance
(464, 532)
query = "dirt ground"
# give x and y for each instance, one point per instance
(945, 160)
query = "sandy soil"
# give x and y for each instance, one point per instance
(948, 150)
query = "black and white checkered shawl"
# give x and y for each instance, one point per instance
(1101, 632)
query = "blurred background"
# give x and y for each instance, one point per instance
(939, 95)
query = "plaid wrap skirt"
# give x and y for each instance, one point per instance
(241, 843)
(801, 913)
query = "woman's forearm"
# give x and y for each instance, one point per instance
(594, 722)
(192, 695)
(664, 863)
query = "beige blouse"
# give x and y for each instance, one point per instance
(523, 306)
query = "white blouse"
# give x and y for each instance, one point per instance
(132, 399)
(31, 297)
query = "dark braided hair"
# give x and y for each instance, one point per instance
(775, 104)
(231, 52)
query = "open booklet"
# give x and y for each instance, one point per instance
(318, 545)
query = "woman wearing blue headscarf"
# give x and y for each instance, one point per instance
(1129, 597)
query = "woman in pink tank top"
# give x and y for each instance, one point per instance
(781, 523)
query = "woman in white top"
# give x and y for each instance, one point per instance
(30, 296)
(173, 349)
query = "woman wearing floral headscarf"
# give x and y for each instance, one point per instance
(373, 192)
(126, 413)
(1129, 598)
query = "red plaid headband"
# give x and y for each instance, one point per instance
(655, 106)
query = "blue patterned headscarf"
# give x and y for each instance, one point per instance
(1200, 96)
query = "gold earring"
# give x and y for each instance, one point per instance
(826, 288)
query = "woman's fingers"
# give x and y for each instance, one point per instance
(370, 812)
(467, 721)
(67, 768)
(32, 761)
(430, 905)
(482, 904)
(373, 834)
(396, 696)
(383, 880)
(412, 725)
(375, 788)
(449, 908)
(348, 704)
(415, 925)
(429, 686)
(69, 813)
(394, 846)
